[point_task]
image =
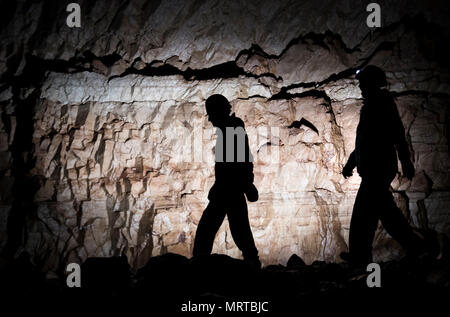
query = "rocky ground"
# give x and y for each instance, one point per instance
(167, 282)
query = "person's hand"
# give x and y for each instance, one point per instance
(408, 169)
(212, 192)
(252, 193)
(347, 171)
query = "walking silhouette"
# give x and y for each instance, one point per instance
(380, 135)
(234, 179)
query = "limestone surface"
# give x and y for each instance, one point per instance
(106, 150)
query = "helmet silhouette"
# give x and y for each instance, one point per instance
(372, 76)
(218, 109)
(217, 104)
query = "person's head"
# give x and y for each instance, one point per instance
(371, 78)
(218, 109)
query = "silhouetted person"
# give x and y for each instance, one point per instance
(234, 178)
(380, 136)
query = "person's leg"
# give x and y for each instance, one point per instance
(237, 213)
(396, 224)
(207, 228)
(363, 224)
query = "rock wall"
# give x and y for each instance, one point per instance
(105, 148)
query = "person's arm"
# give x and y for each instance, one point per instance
(351, 164)
(248, 163)
(249, 188)
(400, 143)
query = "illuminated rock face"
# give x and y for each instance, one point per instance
(130, 166)
(123, 164)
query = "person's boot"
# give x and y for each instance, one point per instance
(355, 261)
(357, 267)
(253, 262)
(345, 256)
(429, 245)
